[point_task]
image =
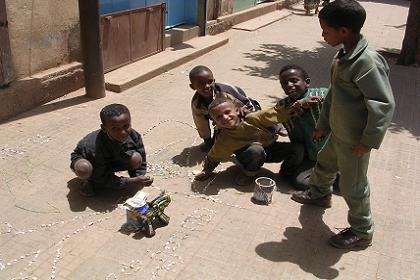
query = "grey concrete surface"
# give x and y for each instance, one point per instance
(48, 231)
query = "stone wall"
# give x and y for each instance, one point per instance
(45, 53)
(43, 34)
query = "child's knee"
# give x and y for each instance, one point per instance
(83, 168)
(135, 160)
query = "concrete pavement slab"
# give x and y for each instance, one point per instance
(48, 231)
(259, 22)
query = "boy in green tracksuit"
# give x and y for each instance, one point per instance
(295, 82)
(356, 114)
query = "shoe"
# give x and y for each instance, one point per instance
(304, 197)
(346, 239)
(87, 190)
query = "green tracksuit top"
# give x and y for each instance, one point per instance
(359, 105)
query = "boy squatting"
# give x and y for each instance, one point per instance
(206, 90)
(248, 136)
(114, 147)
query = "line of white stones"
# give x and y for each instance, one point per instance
(8, 152)
(166, 257)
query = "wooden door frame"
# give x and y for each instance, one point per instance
(6, 67)
(91, 45)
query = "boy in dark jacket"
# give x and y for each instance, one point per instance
(114, 147)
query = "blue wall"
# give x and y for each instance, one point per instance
(110, 6)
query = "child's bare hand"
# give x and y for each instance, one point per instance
(144, 180)
(202, 176)
(360, 149)
(318, 135)
(308, 102)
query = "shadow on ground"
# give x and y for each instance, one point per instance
(226, 180)
(52, 106)
(307, 246)
(405, 80)
(275, 56)
(106, 200)
(405, 83)
(190, 156)
(403, 3)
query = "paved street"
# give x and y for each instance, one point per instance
(48, 231)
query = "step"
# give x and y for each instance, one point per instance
(180, 34)
(259, 22)
(140, 71)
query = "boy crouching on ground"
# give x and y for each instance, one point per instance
(249, 137)
(114, 147)
(206, 90)
(301, 149)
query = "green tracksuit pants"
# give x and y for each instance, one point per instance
(337, 156)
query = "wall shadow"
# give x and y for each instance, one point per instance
(52, 106)
(307, 246)
(107, 200)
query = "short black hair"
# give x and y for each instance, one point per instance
(218, 101)
(344, 13)
(112, 110)
(295, 67)
(197, 70)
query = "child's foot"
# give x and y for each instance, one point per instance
(243, 180)
(87, 190)
(206, 145)
(305, 197)
(346, 239)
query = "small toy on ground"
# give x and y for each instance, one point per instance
(141, 213)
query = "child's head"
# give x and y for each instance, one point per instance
(225, 113)
(294, 80)
(340, 19)
(116, 122)
(202, 81)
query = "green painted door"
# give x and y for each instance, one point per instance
(239, 5)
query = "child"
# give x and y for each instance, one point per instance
(295, 81)
(248, 137)
(357, 111)
(206, 90)
(311, 5)
(114, 147)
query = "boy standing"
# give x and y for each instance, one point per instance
(295, 82)
(206, 90)
(114, 147)
(356, 112)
